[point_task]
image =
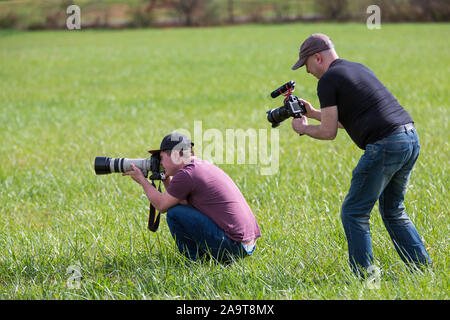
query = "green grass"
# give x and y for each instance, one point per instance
(67, 97)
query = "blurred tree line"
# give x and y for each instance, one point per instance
(51, 14)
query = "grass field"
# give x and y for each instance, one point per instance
(67, 97)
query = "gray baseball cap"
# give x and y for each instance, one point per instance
(316, 42)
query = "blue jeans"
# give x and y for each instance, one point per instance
(382, 174)
(196, 235)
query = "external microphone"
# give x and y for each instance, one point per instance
(285, 87)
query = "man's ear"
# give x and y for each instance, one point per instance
(177, 157)
(318, 57)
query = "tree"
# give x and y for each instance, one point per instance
(187, 8)
(334, 9)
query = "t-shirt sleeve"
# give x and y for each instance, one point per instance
(181, 185)
(326, 91)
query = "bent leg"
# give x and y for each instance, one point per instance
(179, 226)
(196, 234)
(402, 231)
(366, 186)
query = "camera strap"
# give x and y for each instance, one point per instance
(153, 218)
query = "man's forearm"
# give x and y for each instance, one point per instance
(152, 194)
(318, 132)
(317, 115)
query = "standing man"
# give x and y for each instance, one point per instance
(352, 97)
(206, 212)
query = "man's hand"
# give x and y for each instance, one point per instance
(136, 174)
(299, 125)
(327, 129)
(311, 112)
(162, 202)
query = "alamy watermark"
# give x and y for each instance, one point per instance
(74, 20)
(74, 279)
(236, 146)
(374, 20)
(374, 279)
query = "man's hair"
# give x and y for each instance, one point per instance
(329, 53)
(182, 152)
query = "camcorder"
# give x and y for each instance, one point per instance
(292, 106)
(107, 165)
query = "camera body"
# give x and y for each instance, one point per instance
(107, 165)
(292, 106)
(155, 168)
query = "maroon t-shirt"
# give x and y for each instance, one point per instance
(211, 191)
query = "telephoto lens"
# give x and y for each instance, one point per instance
(106, 165)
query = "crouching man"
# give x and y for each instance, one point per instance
(206, 212)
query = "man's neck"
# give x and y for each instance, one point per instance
(186, 161)
(328, 63)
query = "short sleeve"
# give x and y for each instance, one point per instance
(181, 185)
(326, 91)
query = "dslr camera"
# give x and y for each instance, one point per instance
(106, 165)
(292, 106)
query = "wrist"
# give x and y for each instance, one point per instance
(303, 130)
(143, 181)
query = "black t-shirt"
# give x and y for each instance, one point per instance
(366, 108)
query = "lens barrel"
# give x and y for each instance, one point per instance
(277, 115)
(106, 165)
(102, 165)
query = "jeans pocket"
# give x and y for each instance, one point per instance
(395, 154)
(371, 152)
(369, 159)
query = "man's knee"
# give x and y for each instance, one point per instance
(347, 212)
(359, 218)
(395, 216)
(174, 214)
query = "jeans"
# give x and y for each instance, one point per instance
(382, 174)
(196, 235)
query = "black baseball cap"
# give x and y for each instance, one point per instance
(175, 139)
